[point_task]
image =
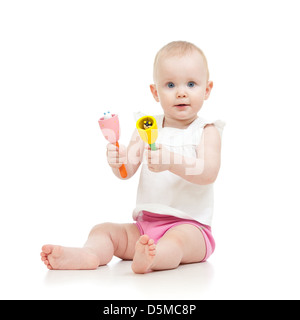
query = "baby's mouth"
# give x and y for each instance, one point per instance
(182, 105)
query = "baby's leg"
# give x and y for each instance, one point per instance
(181, 244)
(104, 241)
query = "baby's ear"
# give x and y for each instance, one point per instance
(209, 87)
(154, 92)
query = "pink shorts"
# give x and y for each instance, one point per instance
(156, 225)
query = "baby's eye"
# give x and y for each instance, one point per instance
(191, 84)
(171, 85)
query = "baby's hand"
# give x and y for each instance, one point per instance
(159, 160)
(116, 156)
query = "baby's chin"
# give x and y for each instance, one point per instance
(184, 118)
(185, 112)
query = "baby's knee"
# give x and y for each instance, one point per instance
(102, 228)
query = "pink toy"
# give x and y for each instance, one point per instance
(109, 124)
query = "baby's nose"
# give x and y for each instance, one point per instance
(181, 94)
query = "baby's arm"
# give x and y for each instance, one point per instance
(205, 168)
(131, 156)
(201, 170)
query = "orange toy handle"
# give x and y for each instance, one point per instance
(122, 169)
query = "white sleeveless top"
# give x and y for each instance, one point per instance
(168, 194)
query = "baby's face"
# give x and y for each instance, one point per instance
(181, 85)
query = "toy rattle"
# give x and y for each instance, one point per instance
(110, 127)
(147, 128)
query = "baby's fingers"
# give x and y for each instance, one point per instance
(112, 147)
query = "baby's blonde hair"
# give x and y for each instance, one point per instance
(178, 48)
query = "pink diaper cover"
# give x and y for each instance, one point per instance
(156, 225)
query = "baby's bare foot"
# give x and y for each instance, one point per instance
(144, 254)
(64, 258)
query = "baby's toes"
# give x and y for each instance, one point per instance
(152, 247)
(46, 262)
(150, 242)
(152, 252)
(144, 239)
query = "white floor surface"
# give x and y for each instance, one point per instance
(236, 278)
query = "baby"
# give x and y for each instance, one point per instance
(172, 218)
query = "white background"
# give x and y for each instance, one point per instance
(63, 63)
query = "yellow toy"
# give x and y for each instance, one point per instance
(147, 128)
